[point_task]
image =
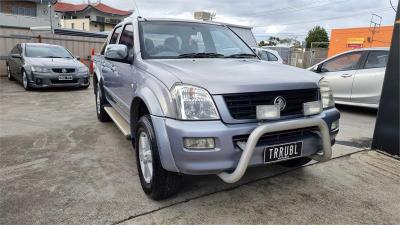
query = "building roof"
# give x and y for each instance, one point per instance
(68, 7)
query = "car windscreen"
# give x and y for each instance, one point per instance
(161, 39)
(36, 51)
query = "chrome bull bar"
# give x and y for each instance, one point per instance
(255, 135)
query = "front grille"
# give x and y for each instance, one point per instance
(60, 70)
(243, 106)
(279, 137)
(73, 81)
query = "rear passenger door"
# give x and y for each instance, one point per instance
(368, 81)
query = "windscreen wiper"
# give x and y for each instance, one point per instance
(52, 57)
(241, 55)
(201, 55)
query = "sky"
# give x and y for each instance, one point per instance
(282, 18)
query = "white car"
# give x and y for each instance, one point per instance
(268, 55)
(356, 76)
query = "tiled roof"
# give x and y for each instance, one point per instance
(67, 7)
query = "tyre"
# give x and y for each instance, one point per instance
(9, 76)
(102, 115)
(25, 82)
(296, 162)
(156, 182)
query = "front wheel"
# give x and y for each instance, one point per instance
(9, 76)
(156, 182)
(25, 82)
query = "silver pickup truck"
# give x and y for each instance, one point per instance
(194, 99)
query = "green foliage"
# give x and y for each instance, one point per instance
(262, 43)
(317, 34)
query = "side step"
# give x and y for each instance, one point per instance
(122, 125)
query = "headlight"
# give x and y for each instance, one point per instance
(40, 69)
(326, 94)
(193, 103)
(83, 69)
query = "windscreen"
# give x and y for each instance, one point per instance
(190, 40)
(36, 51)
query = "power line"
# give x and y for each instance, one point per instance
(332, 18)
(391, 4)
(291, 9)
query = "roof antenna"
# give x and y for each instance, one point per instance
(137, 8)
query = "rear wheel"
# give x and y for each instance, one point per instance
(156, 182)
(9, 76)
(102, 115)
(296, 162)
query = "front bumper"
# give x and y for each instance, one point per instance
(227, 154)
(40, 80)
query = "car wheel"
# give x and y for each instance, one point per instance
(102, 115)
(9, 76)
(25, 82)
(156, 182)
(296, 162)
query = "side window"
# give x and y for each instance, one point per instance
(263, 55)
(127, 37)
(19, 49)
(272, 57)
(114, 37)
(14, 50)
(344, 62)
(376, 59)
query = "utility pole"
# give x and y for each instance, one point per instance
(374, 26)
(51, 18)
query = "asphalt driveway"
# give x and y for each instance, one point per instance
(59, 165)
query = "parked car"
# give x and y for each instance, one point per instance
(195, 99)
(268, 55)
(356, 76)
(38, 65)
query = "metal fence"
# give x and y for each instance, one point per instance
(301, 57)
(79, 46)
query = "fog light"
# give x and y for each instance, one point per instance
(38, 81)
(265, 112)
(195, 143)
(335, 125)
(312, 108)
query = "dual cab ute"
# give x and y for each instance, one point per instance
(195, 99)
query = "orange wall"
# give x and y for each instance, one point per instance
(342, 38)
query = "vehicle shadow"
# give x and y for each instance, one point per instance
(357, 110)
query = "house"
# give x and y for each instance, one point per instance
(94, 17)
(27, 13)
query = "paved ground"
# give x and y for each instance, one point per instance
(59, 165)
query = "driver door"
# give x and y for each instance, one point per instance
(340, 72)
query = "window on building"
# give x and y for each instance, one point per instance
(102, 27)
(74, 17)
(23, 11)
(72, 25)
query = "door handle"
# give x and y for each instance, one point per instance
(346, 75)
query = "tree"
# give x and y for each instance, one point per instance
(262, 43)
(317, 34)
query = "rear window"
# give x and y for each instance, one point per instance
(376, 59)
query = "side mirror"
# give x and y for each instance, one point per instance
(116, 52)
(77, 57)
(16, 56)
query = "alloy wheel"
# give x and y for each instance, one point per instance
(145, 157)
